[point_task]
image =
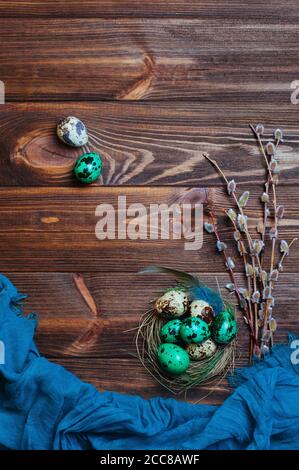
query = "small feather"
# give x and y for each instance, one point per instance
(209, 295)
(187, 279)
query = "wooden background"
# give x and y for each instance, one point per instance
(157, 83)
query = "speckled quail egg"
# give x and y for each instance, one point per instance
(172, 358)
(88, 168)
(72, 131)
(170, 332)
(201, 309)
(199, 352)
(224, 327)
(174, 302)
(194, 330)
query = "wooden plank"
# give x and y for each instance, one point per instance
(148, 8)
(220, 60)
(50, 230)
(146, 143)
(104, 357)
(130, 377)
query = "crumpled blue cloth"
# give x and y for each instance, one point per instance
(43, 406)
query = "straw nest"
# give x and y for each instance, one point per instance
(207, 371)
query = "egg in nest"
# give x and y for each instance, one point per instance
(172, 358)
(201, 309)
(194, 330)
(170, 332)
(174, 303)
(199, 352)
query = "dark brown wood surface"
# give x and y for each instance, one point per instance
(157, 83)
(215, 60)
(149, 8)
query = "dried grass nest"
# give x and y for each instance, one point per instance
(207, 371)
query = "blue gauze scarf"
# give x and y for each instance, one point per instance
(43, 406)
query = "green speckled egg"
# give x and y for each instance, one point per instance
(224, 328)
(199, 352)
(172, 358)
(194, 330)
(88, 167)
(170, 332)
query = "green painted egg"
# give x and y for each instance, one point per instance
(88, 168)
(194, 330)
(170, 332)
(224, 327)
(172, 358)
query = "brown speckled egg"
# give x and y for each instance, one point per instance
(71, 131)
(174, 303)
(199, 352)
(201, 309)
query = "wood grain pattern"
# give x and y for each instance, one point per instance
(41, 229)
(145, 143)
(105, 356)
(149, 8)
(157, 83)
(218, 60)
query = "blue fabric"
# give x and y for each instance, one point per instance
(43, 406)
